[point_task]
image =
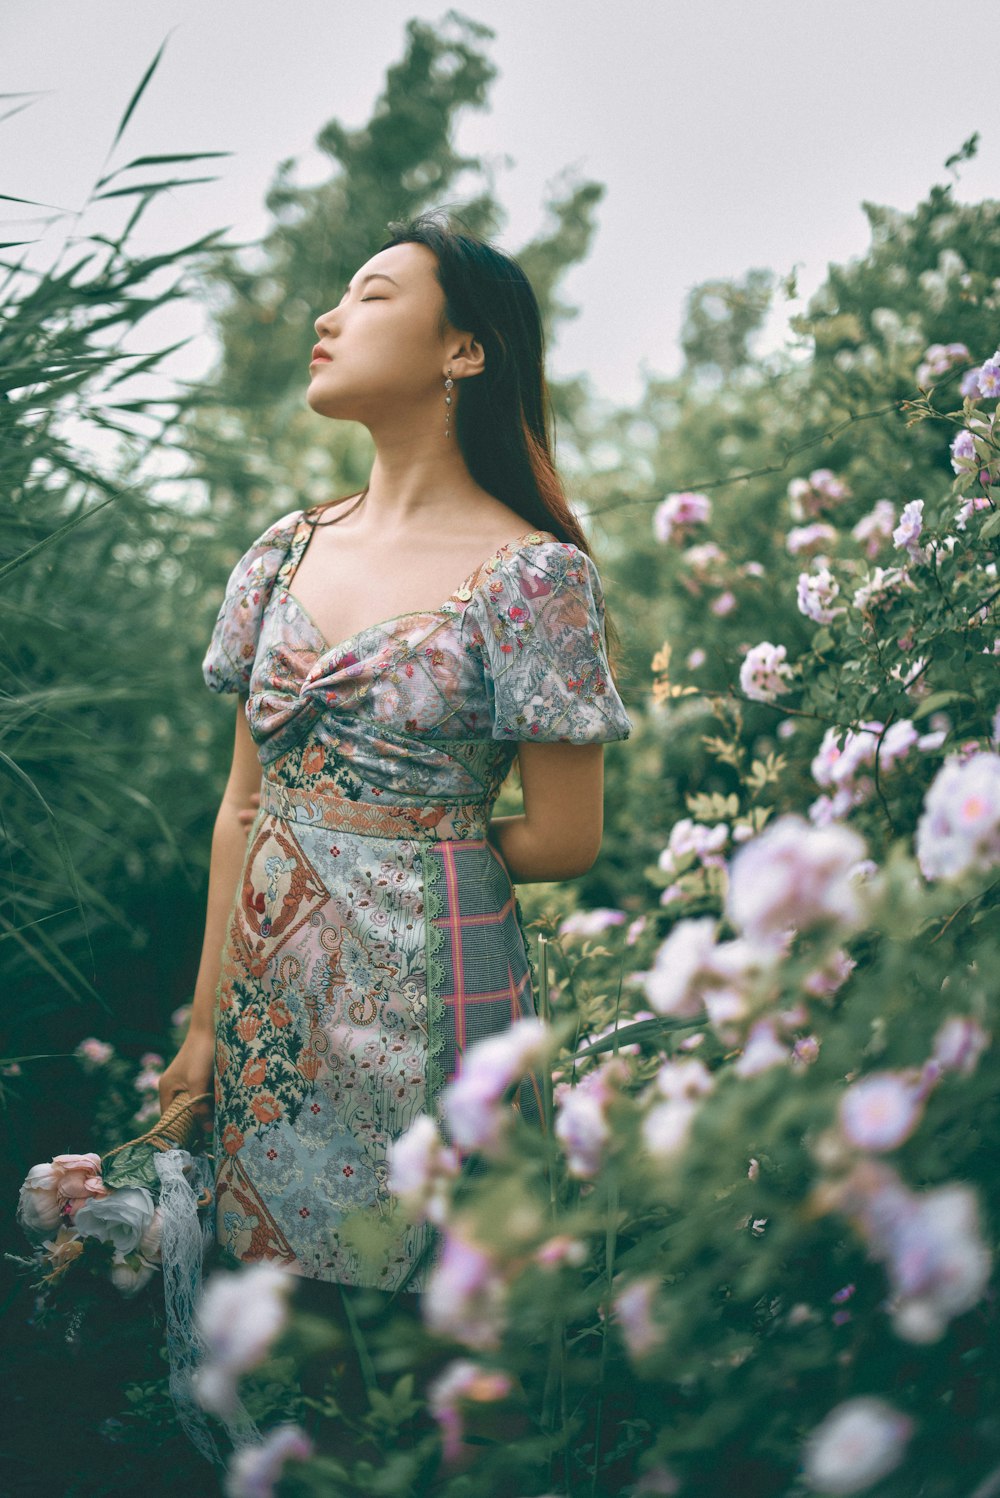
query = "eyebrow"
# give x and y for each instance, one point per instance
(372, 276)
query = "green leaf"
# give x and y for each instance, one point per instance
(133, 102)
(991, 527)
(938, 700)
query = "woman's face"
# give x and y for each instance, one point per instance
(386, 353)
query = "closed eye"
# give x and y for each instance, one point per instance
(373, 298)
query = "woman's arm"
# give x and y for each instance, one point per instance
(559, 834)
(191, 1069)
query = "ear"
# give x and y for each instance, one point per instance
(468, 359)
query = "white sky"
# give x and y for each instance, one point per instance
(728, 134)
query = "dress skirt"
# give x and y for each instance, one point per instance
(364, 954)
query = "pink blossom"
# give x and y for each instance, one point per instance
(688, 836)
(724, 604)
(239, 1315)
(633, 1310)
(472, 1102)
(881, 587)
(701, 558)
(254, 1470)
(695, 658)
(882, 1110)
(805, 1051)
(678, 962)
(562, 1249)
(581, 1125)
(988, 377)
(969, 386)
(98, 1052)
(810, 537)
(635, 930)
(874, 529)
(465, 1296)
(930, 1242)
(462, 1381)
(679, 511)
(815, 494)
(958, 831)
(421, 1167)
(908, 530)
(764, 673)
(859, 1442)
(78, 1176)
(794, 875)
(762, 1050)
(959, 1043)
(815, 594)
(969, 508)
(832, 973)
(591, 922)
(683, 1083)
(963, 453)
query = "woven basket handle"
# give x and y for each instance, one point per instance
(174, 1128)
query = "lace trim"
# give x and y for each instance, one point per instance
(434, 940)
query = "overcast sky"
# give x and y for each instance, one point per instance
(728, 134)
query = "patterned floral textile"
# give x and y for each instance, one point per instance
(375, 933)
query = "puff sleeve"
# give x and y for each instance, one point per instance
(539, 626)
(232, 649)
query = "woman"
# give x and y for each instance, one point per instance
(368, 925)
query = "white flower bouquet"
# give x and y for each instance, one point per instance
(104, 1212)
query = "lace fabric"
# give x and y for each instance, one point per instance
(186, 1238)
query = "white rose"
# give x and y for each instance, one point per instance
(38, 1203)
(120, 1218)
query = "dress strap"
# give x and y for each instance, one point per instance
(301, 537)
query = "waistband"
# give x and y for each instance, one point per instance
(427, 821)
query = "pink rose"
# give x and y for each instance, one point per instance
(78, 1176)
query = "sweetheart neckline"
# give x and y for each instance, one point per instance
(444, 608)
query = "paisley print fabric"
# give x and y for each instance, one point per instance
(375, 933)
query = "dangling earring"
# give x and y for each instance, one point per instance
(447, 404)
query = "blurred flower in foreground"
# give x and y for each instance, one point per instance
(462, 1382)
(859, 1442)
(633, 1311)
(794, 874)
(581, 1125)
(881, 1110)
(472, 1103)
(421, 1169)
(254, 1471)
(466, 1295)
(930, 1242)
(239, 1315)
(959, 828)
(591, 922)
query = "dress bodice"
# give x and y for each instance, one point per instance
(428, 705)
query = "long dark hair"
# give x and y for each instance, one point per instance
(503, 417)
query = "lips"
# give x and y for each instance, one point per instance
(319, 352)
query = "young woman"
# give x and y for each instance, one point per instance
(393, 652)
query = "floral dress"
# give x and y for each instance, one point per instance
(375, 933)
